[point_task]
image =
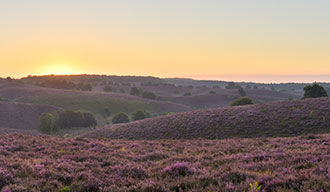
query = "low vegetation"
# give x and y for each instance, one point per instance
(241, 101)
(42, 163)
(50, 123)
(120, 118)
(140, 114)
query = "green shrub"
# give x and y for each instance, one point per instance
(69, 119)
(149, 95)
(241, 92)
(3, 99)
(66, 189)
(187, 94)
(135, 91)
(314, 91)
(212, 92)
(140, 114)
(241, 101)
(120, 118)
(46, 123)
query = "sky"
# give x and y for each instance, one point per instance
(255, 40)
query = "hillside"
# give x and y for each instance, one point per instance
(287, 118)
(21, 115)
(42, 163)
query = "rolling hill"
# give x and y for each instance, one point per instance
(288, 118)
(21, 115)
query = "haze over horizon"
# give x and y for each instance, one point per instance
(260, 41)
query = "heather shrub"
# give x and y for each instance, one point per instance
(65, 189)
(178, 169)
(46, 123)
(139, 115)
(241, 101)
(120, 118)
(314, 91)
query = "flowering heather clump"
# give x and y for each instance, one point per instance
(43, 163)
(179, 169)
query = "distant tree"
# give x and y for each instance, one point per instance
(176, 91)
(149, 95)
(9, 78)
(314, 91)
(107, 88)
(135, 91)
(187, 94)
(241, 101)
(120, 118)
(84, 87)
(212, 92)
(241, 92)
(140, 114)
(248, 87)
(69, 119)
(231, 85)
(46, 123)
(255, 87)
(216, 87)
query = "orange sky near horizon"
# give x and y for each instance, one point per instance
(189, 39)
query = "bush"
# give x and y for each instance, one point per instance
(135, 91)
(149, 95)
(84, 87)
(241, 101)
(3, 99)
(187, 94)
(212, 92)
(69, 119)
(107, 88)
(120, 118)
(314, 91)
(241, 92)
(140, 114)
(46, 123)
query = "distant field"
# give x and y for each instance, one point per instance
(289, 118)
(41, 163)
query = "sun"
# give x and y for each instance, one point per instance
(59, 69)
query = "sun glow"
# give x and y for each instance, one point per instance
(59, 69)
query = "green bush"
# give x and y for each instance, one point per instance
(46, 123)
(3, 99)
(241, 101)
(187, 94)
(140, 114)
(120, 118)
(69, 119)
(314, 91)
(149, 95)
(135, 91)
(241, 92)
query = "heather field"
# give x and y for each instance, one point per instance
(42, 163)
(289, 118)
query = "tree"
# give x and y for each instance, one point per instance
(140, 114)
(231, 85)
(314, 91)
(241, 101)
(187, 94)
(46, 123)
(120, 118)
(241, 92)
(135, 91)
(149, 95)
(69, 119)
